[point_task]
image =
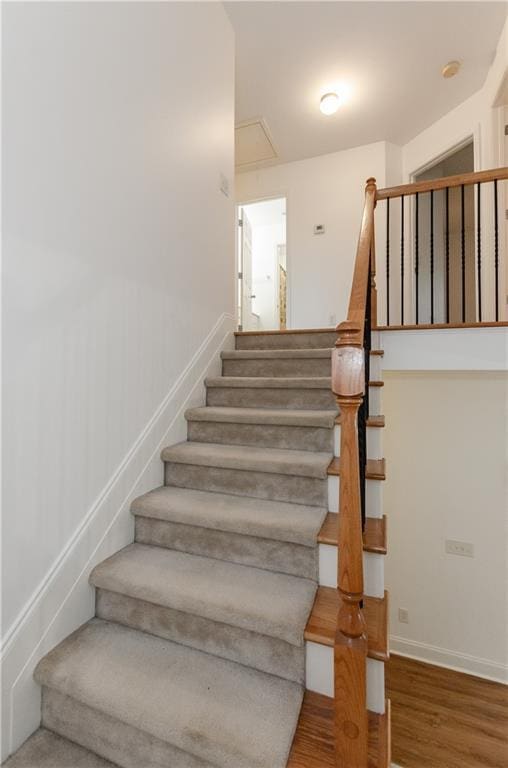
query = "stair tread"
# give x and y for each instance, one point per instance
(270, 382)
(213, 589)
(276, 416)
(286, 331)
(45, 749)
(322, 622)
(374, 535)
(223, 712)
(314, 741)
(272, 460)
(291, 353)
(278, 520)
(376, 468)
(275, 382)
(372, 421)
(277, 354)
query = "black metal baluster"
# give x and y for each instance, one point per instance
(496, 249)
(402, 260)
(463, 250)
(417, 252)
(432, 256)
(479, 246)
(363, 412)
(387, 261)
(447, 250)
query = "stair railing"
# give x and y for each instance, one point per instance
(466, 208)
(350, 386)
(443, 262)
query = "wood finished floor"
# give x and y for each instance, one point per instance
(445, 719)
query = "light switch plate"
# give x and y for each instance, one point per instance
(224, 185)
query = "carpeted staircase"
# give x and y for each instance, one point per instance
(196, 656)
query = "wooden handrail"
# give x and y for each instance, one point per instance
(479, 177)
(357, 297)
(349, 386)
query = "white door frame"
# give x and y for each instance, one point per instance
(249, 201)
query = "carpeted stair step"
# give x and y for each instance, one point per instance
(270, 392)
(211, 605)
(273, 535)
(45, 749)
(277, 362)
(268, 427)
(138, 700)
(310, 338)
(265, 473)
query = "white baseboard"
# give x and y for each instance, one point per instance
(442, 657)
(64, 599)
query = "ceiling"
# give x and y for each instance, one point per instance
(387, 57)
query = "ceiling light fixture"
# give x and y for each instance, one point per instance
(329, 103)
(450, 69)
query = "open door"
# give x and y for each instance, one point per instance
(262, 271)
(247, 319)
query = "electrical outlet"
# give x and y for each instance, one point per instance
(463, 548)
(403, 615)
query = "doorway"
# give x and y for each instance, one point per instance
(262, 265)
(454, 298)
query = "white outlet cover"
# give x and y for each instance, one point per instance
(462, 548)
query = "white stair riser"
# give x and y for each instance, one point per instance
(375, 407)
(374, 442)
(373, 570)
(373, 497)
(319, 675)
(376, 367)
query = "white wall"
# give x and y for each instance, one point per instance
(446, 446)
(118, 278)
(326, 190)
(474, 117)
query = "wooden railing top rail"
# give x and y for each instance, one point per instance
(351, 332)
(465, 179)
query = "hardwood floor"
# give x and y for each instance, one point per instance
(313, 745)
(445, 719)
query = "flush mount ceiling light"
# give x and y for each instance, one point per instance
(450, 69)
(329, 103)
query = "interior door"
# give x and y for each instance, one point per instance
(247, 317)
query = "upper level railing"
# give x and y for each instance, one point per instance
(443, 240)
(458, 282)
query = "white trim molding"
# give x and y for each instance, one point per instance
(443, 657)
(64, 600)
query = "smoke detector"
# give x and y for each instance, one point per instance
(450, 69)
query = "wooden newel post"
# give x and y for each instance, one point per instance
(350, 652)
